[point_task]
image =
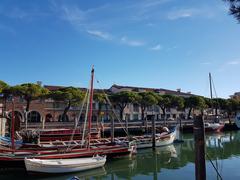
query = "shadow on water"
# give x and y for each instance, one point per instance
(169, 162)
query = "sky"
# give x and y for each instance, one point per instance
(167, 44)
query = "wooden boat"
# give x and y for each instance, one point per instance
(64, 165)
(15, 156)
(213, 127)
(58, 134)
(145, 141)
(161, 140)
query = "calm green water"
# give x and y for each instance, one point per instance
(170, 162)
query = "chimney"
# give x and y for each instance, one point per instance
(179, 90)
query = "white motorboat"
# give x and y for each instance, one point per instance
(64, 165)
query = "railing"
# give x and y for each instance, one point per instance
(107, 125)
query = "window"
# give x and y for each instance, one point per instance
(156, 109)
(135, 117)
(34, 116)
(135, 108)
(174, 116)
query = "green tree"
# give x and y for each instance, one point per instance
(145, 100)
(29, 92)
(3, 86)
(123, 98)
(218, 104)
(234, 8)
(232, 106)
(177, 102)
(70, 96)
(164, 102)
(194, 102)
(101, 99)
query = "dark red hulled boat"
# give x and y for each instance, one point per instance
(15, 157)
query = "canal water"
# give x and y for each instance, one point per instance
(170, 162)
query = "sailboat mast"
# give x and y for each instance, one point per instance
(12, 125)
(91, 108)
(210, 81)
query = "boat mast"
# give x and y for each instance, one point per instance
(12, 126)
(210, 81)
(211, 96)
(91, 107)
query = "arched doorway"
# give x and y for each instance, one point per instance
(34, 116)
(62, 118)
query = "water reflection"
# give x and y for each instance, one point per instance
(151, 163)
(169, 162)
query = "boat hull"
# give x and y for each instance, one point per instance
(64, 165)
(160, 141)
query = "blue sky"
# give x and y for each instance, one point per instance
(149, 43)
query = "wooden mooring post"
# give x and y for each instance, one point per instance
(199, 138)
(112, 130)
(153, 133)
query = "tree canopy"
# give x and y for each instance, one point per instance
(121, 99)
(234, 8)
(146, 99)
(29, 92)
(70, 96)
(3, 86)
(194, 102)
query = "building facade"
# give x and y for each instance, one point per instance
(48, 111)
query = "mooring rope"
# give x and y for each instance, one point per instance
(219, 175)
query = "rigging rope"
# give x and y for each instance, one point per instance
(114, 112)
(86, 116)
(79, 115)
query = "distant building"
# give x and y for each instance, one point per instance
(236, 95)
(133, 112)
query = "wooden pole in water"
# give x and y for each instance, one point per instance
(153, 132)
(13, 125)
(199, 138)
(112, 130)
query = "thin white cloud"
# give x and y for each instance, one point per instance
(157, 47)
(100, 34)
(201, 12)
(129, 42)
(181, 13)
(233, 62)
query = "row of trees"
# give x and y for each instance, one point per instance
(71, 97)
